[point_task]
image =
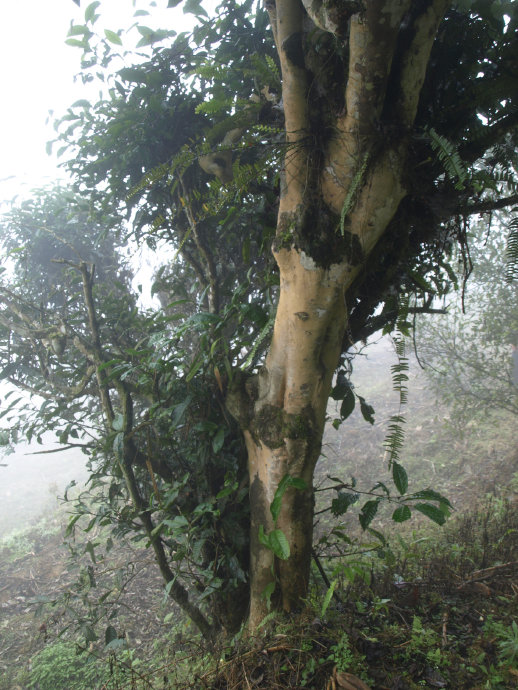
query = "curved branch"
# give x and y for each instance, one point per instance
(488, 205)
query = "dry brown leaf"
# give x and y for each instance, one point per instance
(346, 681)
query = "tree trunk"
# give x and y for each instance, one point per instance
(283, 411)
(342, 182)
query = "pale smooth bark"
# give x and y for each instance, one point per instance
(354, 187)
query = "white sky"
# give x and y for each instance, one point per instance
(37, 75)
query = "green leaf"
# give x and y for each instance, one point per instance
(286, 481)
(196, 366)
(71, 524)
(327, 598)
(430, 495)
(76, 43)
(194, 7)
(341, 387)
(348, 404)
(227, 490)
(77, 30)
(267, 593)
(81, 103)
(341, 503)
(110, 634)
(379, 536)
(279, 544)
(368, 513)
(401, 514)
(149, 36)
(113, 37)
(90, 15)
(90, 549)
(89, 633)
(263, 538)
(218, 440)
(366, 410)
(432, 512)
(173, 3)
(400, 477)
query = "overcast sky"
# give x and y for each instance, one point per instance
(37, 75)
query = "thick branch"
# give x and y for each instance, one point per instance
(415, 60)
(289, 16)
(372, 42)
(488, 205)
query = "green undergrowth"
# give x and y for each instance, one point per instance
(21, 542)
(436, 608)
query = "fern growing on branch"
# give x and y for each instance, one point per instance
(449, 157)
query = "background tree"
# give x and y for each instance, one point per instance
(109, 378)
(468, 352)
(362, 138)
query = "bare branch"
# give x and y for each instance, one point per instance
(488, 205)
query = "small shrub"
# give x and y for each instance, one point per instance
(62, 666)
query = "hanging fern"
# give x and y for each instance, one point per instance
(449, 157)
(507, 178)
(511, 268)
(396, 434)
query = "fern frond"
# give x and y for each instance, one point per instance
(149, 179)
(395, 437)
(448, 155)
(511, 268)
(351, 194)
(265, 71)
(211, 72)
(508, 179)
(213, 107)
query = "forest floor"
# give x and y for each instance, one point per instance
(442, 612)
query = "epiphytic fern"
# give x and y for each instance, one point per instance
(396, 434)
(511, 269)
(449, 157)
